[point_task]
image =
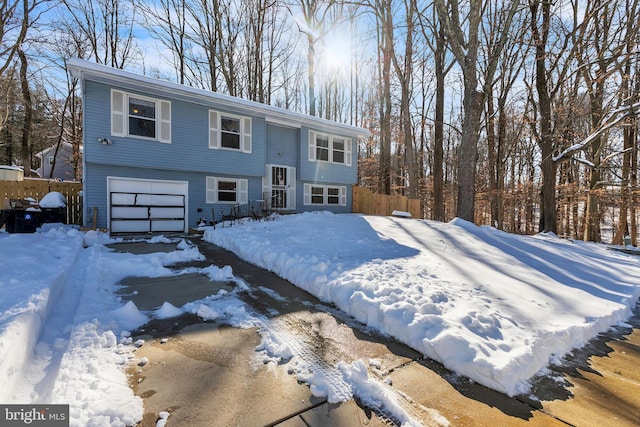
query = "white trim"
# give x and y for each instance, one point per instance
(313, 146)
(117, 113)
(214, 126)
(87, 70)
(267, 184)
(348, 152)
(163, 124)
(120, 116)
(115, 183)
(308, 196)
(215, 131)
(211, 192)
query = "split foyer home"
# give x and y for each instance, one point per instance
(158, 156)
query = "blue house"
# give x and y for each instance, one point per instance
(158, 156)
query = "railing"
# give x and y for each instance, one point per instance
(38, 188)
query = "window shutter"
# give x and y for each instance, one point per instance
(266, 184)
(243, 191)
(214, 130)
(117, 113)
(312, 146)
(165, 121)
(347, 152)
(246, 135)
(307, 194)
(343, 196)
(211, 187)
(291, 188)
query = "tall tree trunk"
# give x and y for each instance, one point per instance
(27, 125)
(492, 160)
(311, 58)
(545, 138)
(404, 74)
(464, 41)
(468, 149)
(385, 99)
(438, 129)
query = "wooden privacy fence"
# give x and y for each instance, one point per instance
(37, 188)
(367, 202)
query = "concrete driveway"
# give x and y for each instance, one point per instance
(208, 374)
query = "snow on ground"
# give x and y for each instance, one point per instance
(492, 306)
(64, 334)
(495, 307)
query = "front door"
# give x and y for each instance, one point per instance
(280, 187)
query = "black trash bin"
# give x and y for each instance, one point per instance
(51, 215)
(23, 220)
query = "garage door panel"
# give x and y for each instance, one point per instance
(166, 213)
(123, 199)
(160, 200)
(129, 212)
(167, 225)
(124, 226)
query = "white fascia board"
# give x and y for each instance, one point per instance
(83, 69)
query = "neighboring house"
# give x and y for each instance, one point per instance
(158, 156)
(11, 173)
(63, 168)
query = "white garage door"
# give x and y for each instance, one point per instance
(146, 205)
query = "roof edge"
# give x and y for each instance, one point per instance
(83, 69)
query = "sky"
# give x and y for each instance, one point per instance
(495, 307)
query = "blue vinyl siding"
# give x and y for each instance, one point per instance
(96, 191)
(282, 145)
(325, 172)
(189, 147)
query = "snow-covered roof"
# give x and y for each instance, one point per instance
(83, 69)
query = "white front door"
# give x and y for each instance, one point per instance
(279, 186)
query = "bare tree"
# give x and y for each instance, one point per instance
(167, 21)
(314, 13)
(464, 42)
(107, 26)
(14, 23)
(600, 52)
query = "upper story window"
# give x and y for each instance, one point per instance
(228, 131)
(329, 148)
(140, 116)
(322, 147)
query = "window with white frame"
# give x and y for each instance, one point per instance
(333, 195)
(325, 195)
(338, 150)
(329, 148)
(140, 116)
(317, 195)
(229, 131)
(226, 190)
(50, 160)
(322, 147)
